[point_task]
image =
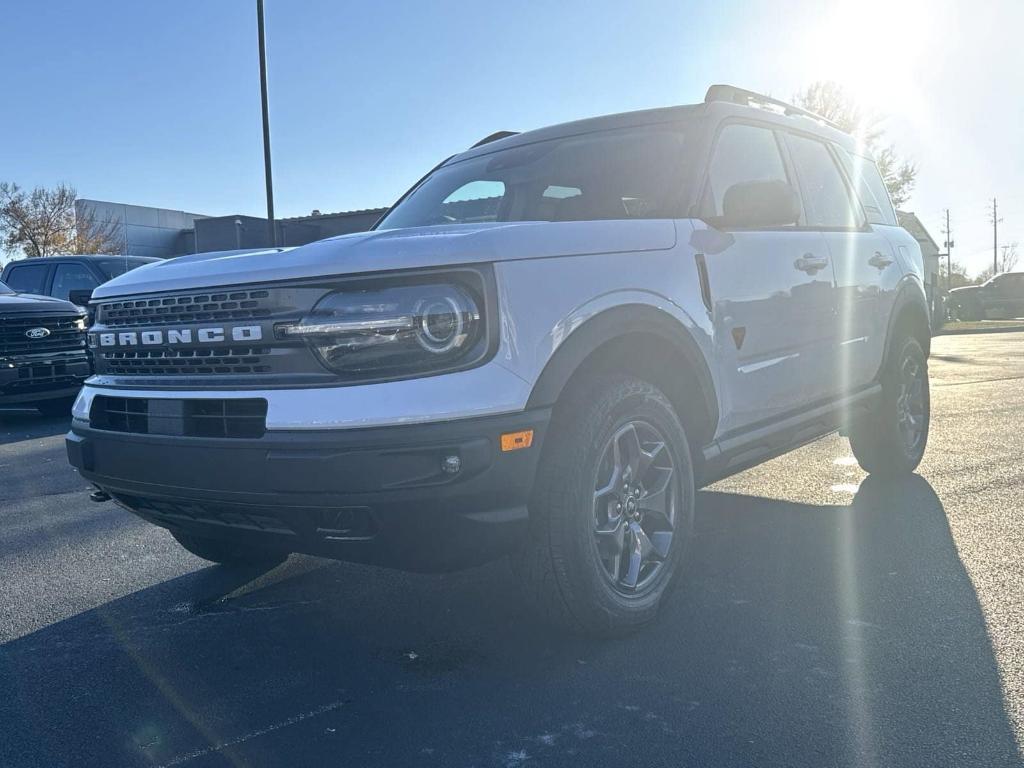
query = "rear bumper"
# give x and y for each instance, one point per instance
(32, 379)
(371, 495)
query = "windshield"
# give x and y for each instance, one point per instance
(4, 288)
(623, 174)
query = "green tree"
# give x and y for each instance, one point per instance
(830, 100)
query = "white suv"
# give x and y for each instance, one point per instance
(540, 350)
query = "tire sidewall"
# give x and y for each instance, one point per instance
(891, 390)
(610, 412)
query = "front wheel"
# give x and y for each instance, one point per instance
(612, 509)
(891, 438)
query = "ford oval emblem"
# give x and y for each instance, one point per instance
(37, 333)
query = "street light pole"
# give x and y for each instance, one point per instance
(272, 230)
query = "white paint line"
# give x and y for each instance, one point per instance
(254, 734)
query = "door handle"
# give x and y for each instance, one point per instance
(879, 260)
(810, 263)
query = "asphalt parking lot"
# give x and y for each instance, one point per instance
(824, 619)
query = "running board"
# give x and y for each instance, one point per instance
(733, 454)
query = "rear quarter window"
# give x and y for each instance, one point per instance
(867, 181)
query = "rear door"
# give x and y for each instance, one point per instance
(864, 265)
(771, 289)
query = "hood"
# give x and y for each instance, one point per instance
(384, 250)
(29, 302)
(965, 289)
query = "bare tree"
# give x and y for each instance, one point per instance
(96, 235)
(831, 101)
(1008, 260)
(43, 223)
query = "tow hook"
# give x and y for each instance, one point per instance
(99, 496)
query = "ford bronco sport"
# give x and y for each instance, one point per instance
(540, 350)
(43, 355)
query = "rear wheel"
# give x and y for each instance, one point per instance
(229, 552)
(612, 510)
(891, 438)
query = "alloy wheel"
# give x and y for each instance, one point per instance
(910, 403)
(635, 505)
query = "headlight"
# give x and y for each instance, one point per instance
(396, 330)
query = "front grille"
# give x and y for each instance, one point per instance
(45, 377)
(64, 335)
(215, 417)
(331, 524)
(184, 362)
(188, 308)
(158, 338)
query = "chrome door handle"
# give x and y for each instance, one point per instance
(810, 263)
(879, 260)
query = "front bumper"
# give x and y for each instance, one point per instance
(375, 495)
(43, 377)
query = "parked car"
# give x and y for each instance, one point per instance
(72, 278)
(1003, 294)
(43, 355)
(540, 350)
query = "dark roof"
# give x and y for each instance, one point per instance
(336, 214)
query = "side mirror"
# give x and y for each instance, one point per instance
(80, 297)
(760, 204)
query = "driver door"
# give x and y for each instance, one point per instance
(771, 288)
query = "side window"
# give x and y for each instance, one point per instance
(28, 278)
(71, 277)
(743, 153)
(826, 197)
(874, 197)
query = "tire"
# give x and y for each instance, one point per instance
(229, 552)
(581, 498)
(59, 407)
(890, 440)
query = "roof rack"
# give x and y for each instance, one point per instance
(494, 137)
(734, 95)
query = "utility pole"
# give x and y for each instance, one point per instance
(949, 258)
(995, 237)
(266, 124)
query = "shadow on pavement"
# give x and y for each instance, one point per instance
(801, 636)
(28, 423)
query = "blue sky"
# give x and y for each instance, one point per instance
(158, 103)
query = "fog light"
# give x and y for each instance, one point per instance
(451, 465)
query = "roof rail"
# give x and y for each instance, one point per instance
(494, 137)
(734, 95)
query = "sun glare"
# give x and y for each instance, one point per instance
(873, 48)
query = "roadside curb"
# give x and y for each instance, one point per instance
(966, 331)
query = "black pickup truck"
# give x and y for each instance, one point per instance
(43, 353)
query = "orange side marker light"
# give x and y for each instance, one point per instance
(514, 441)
